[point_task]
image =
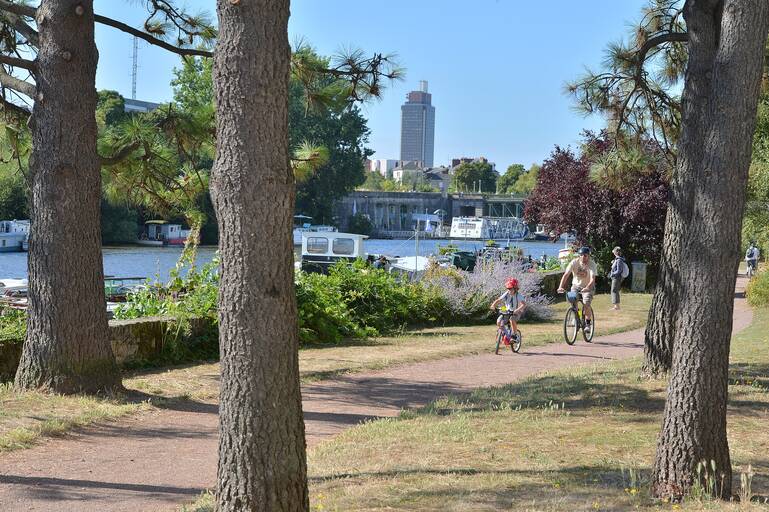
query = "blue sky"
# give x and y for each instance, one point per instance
(496, 68)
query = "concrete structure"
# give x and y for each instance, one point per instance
(133, 341)
(383, 166)
(392, 213)
(418, 127)
(139, 106)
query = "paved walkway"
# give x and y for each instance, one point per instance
(159, 460)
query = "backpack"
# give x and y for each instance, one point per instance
(625, 269)
(751, 253)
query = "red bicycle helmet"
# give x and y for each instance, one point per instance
(511, 283)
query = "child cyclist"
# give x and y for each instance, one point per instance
(514, 304)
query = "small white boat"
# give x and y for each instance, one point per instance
(412, 266)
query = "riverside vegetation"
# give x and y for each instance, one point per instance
(351, 301)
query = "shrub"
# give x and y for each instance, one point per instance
(757, 291)
(378, 300)
(469, 294)
(322, 312)
(13, 326)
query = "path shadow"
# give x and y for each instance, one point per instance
(60, 489)
(376, 392)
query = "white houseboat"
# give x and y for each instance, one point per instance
(320, 250)
(302, 226)
(14, 235)
(488, 228)
(160, 232)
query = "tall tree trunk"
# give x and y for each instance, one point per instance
(726, 41)
(262, 464)
(67, 348)
(658, 337)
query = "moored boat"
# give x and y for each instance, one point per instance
(158, 233)
(13, 235)
(307, 227)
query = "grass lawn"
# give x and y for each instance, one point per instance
(571, 440)
(24, 417)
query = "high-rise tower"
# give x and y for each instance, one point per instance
(418, 126)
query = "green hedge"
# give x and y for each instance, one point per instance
(757, 291)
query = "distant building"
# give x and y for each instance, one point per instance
(418, 127)
(139, 106)
(405, 168)
(456, 162)
(383, 166)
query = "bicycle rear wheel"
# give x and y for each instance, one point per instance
(588, 331)
(570, 326)
(515, 345)
(499, 340)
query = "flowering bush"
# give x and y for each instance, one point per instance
(469, 294)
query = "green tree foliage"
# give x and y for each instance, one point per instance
(469, 175)
(119, 224)
(327, 133)
(361, 224)
(756, 223)
(526, 183)
(507, 181)
(344, 133)
(13, 194)
(376, 182)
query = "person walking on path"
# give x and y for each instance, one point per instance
(751, 258)
(619, 271)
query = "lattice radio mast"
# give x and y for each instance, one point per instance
(135, 68)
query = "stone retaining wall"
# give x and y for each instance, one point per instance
(136, 340)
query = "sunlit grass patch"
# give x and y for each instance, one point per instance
(578, 439)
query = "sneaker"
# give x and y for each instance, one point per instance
(587, 325)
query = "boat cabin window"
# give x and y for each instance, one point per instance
(317, 245)
(344, 246)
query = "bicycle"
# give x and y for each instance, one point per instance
(575, 319)
(505, 334)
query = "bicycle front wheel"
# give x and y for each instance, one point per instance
(570, 326)
(589, 330)
(516, 343)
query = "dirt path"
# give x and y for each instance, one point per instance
(159, 460)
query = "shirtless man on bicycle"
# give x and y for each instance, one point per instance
(583, 272)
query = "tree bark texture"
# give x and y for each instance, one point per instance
(719, 108)
(262, 462)
(67, 347)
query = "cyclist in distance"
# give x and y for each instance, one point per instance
(514, 303)
(583, 272)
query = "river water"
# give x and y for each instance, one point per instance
(155, 263)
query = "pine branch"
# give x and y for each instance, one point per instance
(121, 155)
(13, 83)
(151, 39)
(19, 63)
